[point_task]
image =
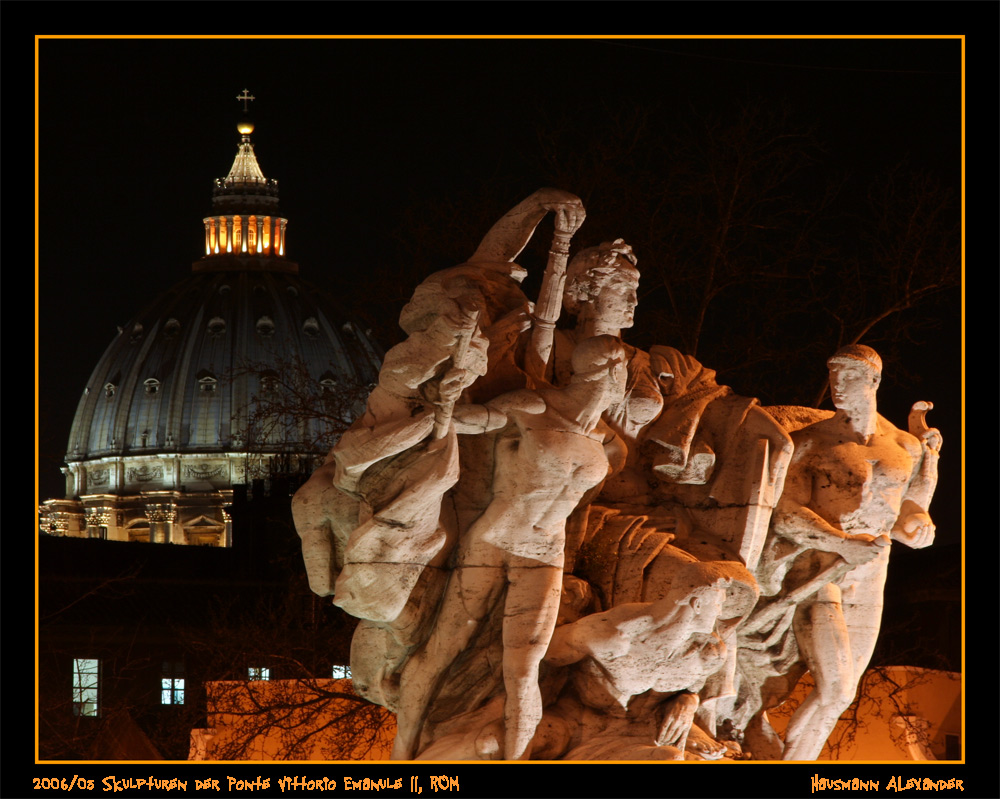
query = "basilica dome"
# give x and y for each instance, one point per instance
(184, 403)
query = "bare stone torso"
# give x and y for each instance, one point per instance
(857, 488)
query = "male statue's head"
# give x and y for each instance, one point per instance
(855, 374)
(707, 602)
(601, 283)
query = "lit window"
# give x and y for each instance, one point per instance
(86, 680)
(259, 673)
(172, 684)
(341, 672)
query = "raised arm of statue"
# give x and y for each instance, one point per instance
(511, 233)
(914, 526)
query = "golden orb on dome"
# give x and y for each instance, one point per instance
(245, 127)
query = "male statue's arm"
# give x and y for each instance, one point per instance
(477, 419)
(473, 419)
(914, 526)
(510, 234)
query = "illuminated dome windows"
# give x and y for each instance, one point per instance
(245, 235)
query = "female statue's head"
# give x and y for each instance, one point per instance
(601, 284)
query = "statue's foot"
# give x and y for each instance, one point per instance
(703, 745)
(733, 749)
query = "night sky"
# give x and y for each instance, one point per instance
(132, 133)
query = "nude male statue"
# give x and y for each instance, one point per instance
(557, 450)
(855, 482)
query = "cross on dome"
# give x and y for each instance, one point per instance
(245, 98)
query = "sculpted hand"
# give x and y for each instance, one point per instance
(860, 549)
(568, 208)
(932, 439)
(569, 218)
(511, 323)
(452, 384)
(916, 530)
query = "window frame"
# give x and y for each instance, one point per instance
(172, 683)
(86, 692)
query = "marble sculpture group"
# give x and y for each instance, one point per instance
(561, 547)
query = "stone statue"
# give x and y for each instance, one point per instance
(556, 542)
(662, 651)
(382, 510)
(855, 483)
(693, 444)
(476, 310)
(703, 471)
(556, 449)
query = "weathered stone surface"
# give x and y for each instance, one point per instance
(855, 484)
(561, 546)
